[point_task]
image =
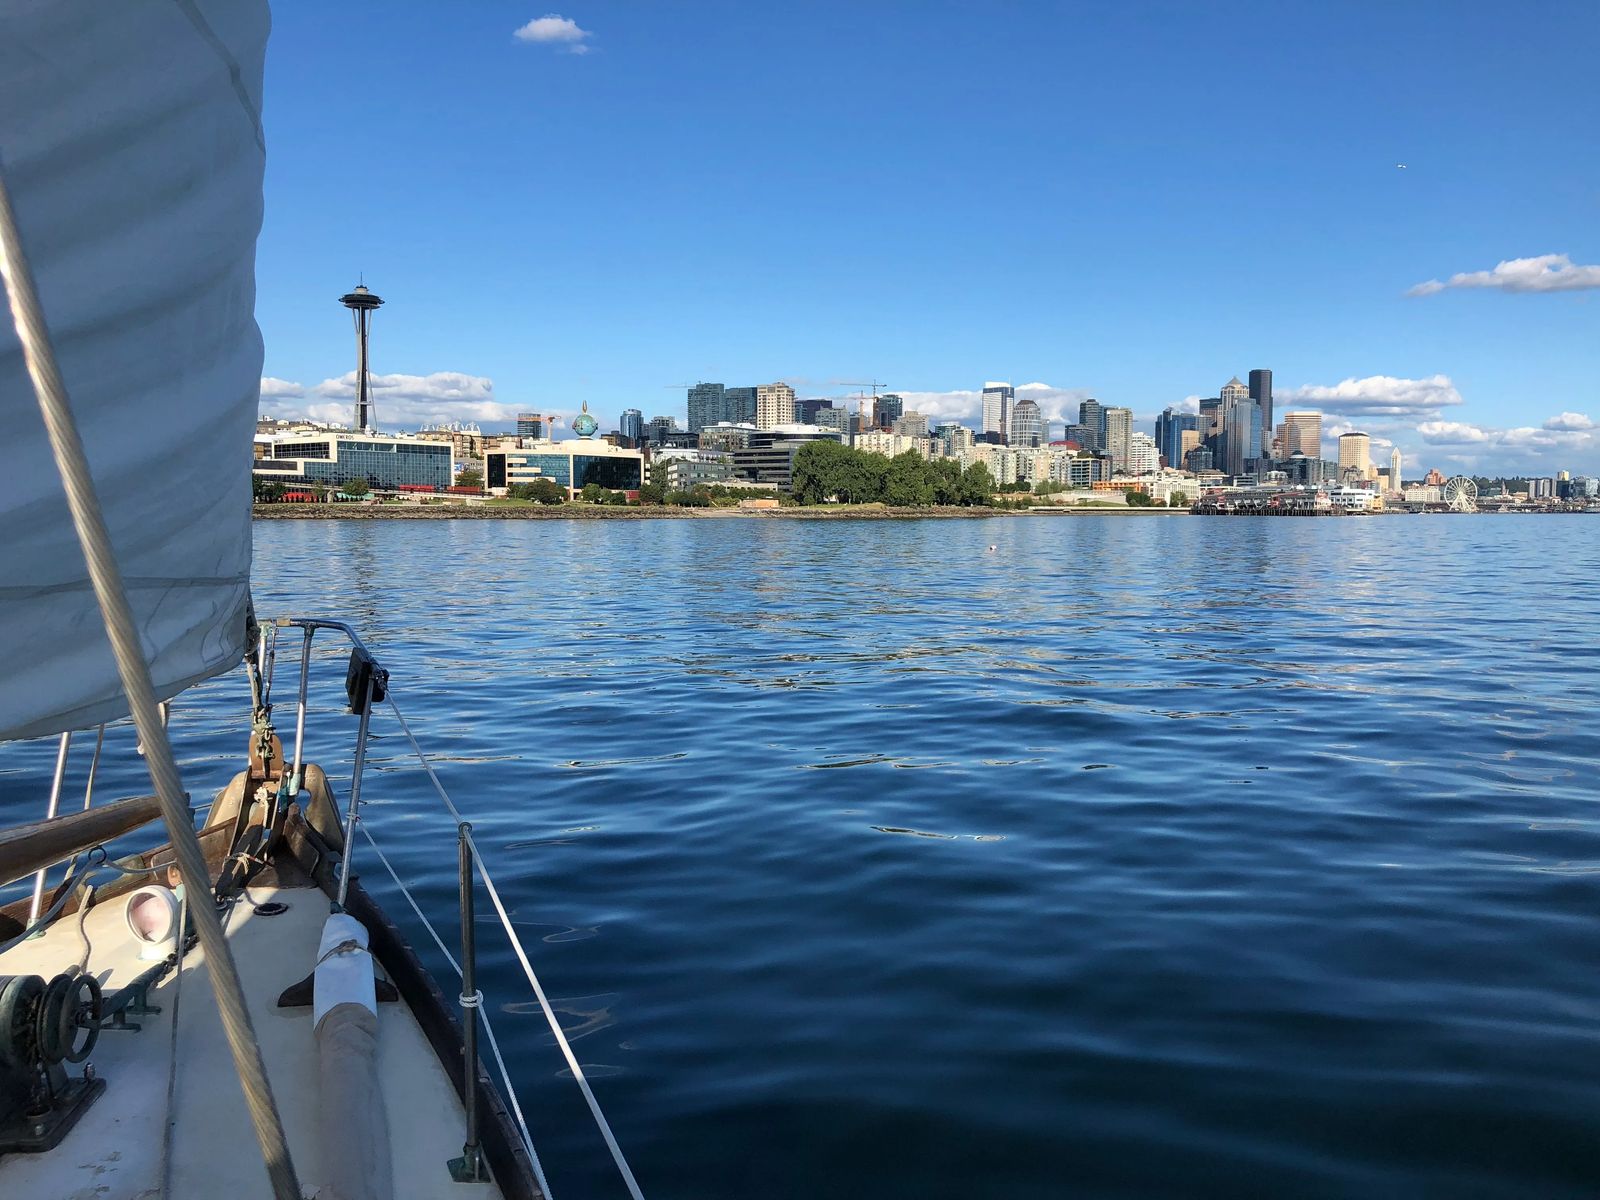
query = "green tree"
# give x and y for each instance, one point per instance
(266, 490)
(1137, 499)
(906, 483)
(1178, 500)
(944, 476)
(820, 471)
(977, 486)
(654, 490)
(592, 493)
(356, 487)
(470, 477)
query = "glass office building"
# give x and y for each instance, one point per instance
(573, 464)
(335, 459)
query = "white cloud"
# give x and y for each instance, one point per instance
(1375, 396)
(555, 30)
(399, 401)
(1569, 420)
(1545, 273)
(280, 387)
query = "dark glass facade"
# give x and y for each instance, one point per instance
(382, 463)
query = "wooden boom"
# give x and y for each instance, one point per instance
(25, 849)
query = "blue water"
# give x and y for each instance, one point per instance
(1136, 857)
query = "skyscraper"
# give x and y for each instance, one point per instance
(740, 404)
(1143, 457)
(708, 404)
(774, 405)
(1118, 435)
(890, 408)
(1027, 424)
(997, 401)
(531, 425)
(1261, 393)
(1210, 417)
(1395, 466)
(1355, 454)
(1239, 441)
(1093, 418)
(1302, 434)
(1170, 425)
(805, 411)
(631, 426)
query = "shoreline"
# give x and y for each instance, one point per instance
(585, 512)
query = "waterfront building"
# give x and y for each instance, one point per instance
(706, 404)
(1118, 431)
(774, 405)
(1143, 457)
(1395, 465)
(1261, 392)
(768, 455)
(1170, 428)
(631, 426)
(1355, 455)
(912, 424)
(725, 436)
(890, 407)
(1302, 434)
(997, 401)
(1092, 420)
(685, 469)
(533, 425)
(1027, 424)
(955, 438)
(572, 464)
(334, 458)
(1354, 499)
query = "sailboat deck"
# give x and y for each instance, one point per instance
(115, 1152)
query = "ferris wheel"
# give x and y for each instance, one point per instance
(1461, 494)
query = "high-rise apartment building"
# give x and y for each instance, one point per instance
(1355, 454)
(1143, 457)
(1093, 419)
(912, 424)
(890, 408)
(741, 404)
(659, 429)
(1170, 427)
(532, 425)
(805, 411)
(774, 405)
(631, 426)
(997, 401)
(1027, 424)
(1261, 393)
(1118, 435)
(707, 404)
(1302, 434)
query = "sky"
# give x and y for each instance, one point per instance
(1393, 206)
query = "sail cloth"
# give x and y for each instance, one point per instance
(130, 135)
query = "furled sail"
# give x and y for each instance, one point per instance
(130, 137)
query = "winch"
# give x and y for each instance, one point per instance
(43, 1025)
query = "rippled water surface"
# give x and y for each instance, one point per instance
(1136, 857)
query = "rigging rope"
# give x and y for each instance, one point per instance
(527, 966)
(106, 576)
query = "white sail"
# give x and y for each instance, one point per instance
(130, 136)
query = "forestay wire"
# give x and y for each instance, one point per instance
(527, 966)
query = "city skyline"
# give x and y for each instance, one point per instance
(593, 227)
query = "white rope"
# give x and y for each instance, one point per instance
(483, 1015)
(527, 967)
(105, 574)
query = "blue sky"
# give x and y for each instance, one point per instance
(1132, 201)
